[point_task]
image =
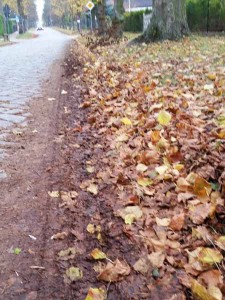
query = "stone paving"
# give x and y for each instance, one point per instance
(23, 67)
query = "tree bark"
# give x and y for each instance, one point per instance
(102, 23)
(117, 19)
(22, 27)
(169, 20)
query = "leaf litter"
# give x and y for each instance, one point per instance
(157, 113)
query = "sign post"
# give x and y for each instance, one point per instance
(90, 5)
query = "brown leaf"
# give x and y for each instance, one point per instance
(177, 222)
(114, 271)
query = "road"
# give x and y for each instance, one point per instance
(23, 67)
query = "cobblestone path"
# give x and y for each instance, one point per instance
(23, 67)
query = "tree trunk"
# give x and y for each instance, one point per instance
(169, 20)
(102, 23)
(117, 19)
(21, 16)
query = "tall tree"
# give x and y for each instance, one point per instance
(22, 26)
(169, 20)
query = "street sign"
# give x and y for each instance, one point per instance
(90, 5)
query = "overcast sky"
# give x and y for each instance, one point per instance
(40, 6)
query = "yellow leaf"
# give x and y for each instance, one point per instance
(126, 121)
(211, 76)
(200, 292)
(164, 117)
(96, 294)
(91, 228)
(98, 254)
(215, 292)
(178, 167)
(130, 214)
(210, 256)
(220, 242)
(145, 181)
(93, 189)
(129, 219)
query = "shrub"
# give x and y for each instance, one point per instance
(1, 26)
(133, 21)
(197, 14)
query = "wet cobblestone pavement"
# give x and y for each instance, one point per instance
(23, 68)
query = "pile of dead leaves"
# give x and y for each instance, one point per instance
(159, 112)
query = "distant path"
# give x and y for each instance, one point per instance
(23, 67)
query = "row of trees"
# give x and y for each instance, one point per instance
(25, 9)
(169, 20)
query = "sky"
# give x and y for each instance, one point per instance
(40, 6)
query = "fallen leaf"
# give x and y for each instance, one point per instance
(93, 189)
(144, 181)
(164, 117)
(163, 222)
(126, 121)
(114, 271)
(91, 228)
(96, 294)
(98, 254)
(67, 254)
(161, 170)
(141, 168)
(17, 251)
(200, 292)
(54, 194)
(210, 256)
(211, 278)
(59, 236)
(220, 242)
(157, 259)
(177, 222)
(130, 214)
(198, 213)
(74, 274)
(90, 169)
(142, 265)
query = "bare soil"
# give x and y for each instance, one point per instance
(52, 155)
(26, 208)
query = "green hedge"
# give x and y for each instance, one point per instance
(197, 12)
(1, 26)
(133, 21)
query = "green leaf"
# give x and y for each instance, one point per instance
(17, 251)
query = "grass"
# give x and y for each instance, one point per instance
(66, 31)
(27, 35)
(2, 43)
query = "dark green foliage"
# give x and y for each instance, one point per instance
(197, 15)
(1, 26)
(133, 21)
